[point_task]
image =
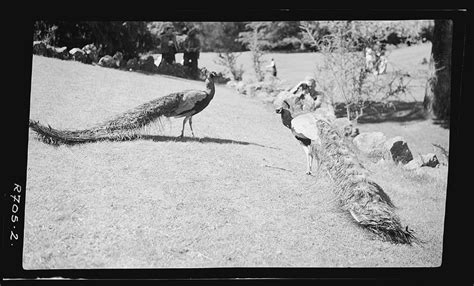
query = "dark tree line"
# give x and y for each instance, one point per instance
(135, 37)
(131, 38)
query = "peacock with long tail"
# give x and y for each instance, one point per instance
(360, 196)
(127, 125)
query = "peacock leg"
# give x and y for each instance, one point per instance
(308, 159)
(191, 124)
(184, 123)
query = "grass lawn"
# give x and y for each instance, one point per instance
(235, 196)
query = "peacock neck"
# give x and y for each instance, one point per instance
(210, 88)
(286, 118)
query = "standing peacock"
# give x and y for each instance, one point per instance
(127, 125)
(357, 194)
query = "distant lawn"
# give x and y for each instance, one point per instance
(236, 196)
(293, 67)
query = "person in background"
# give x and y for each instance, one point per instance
(272, 65)
(369, 59)
(169, 45)
(191, 46)
(309, 99)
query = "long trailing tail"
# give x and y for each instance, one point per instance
(123, 127)
(364, 199)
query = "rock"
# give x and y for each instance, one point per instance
(346, 127)
(132, 64)
(107, 61)
(77, 54)
(221, 78)
(429, 160)
(91, 53)
(399, 151)
(240, 87)
(56, 52)
(147, 64)
(370, 142)
(40, 48)
(232, 84)
(413, 165)
(111, 62)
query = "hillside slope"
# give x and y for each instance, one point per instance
(236, 196)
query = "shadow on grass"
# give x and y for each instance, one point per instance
(395, 111)
(160, 138)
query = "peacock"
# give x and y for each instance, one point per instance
(127, 125)
(303, 129)
(357, 194)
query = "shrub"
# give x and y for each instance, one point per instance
(254, 40)
(229, 61)
(344, 74)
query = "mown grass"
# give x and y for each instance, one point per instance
(236, 196)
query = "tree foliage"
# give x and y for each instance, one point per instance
(130, 38)
(254, 38)
(135, 37)
(344, 73)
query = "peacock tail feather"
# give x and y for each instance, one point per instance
(125, 126)
(356, 193)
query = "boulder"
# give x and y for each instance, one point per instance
(56, 52)
(240, 87)
(132, 64)
(399, 151)
(111, 62)
(77, 54)
(413, 164)
(91, 53)
(346, 127)
(370, 142)
(40, 48)
(147, 64)
(429, 160)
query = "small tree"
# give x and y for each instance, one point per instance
(343, 66)
(343, 72)
(229, 61)
(254, 40)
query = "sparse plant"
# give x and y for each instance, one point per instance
(229, 61)
(343, 74)
(254, 40)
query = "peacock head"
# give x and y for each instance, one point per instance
(284, 106)
(285, 112)
(212, 75)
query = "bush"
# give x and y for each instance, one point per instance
(344, 74)
(130, 38)
(229, 61)
(254, 40)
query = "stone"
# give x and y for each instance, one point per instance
(111, 62)
(429, 160)
(91, 53)
(399, 151)
(240, 87)
(40, 48)
(77, 54)
(147, 64)
(346, 127)
(56, 52)
(132, 64)
(370, 142)
(413, 164)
